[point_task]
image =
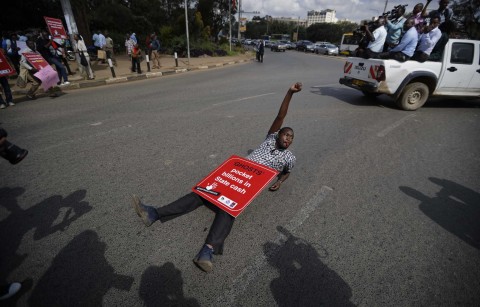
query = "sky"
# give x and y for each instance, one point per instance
(353, 10)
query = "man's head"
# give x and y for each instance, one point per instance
(442, 4)
(400, 12)
(434, 22)
(417, 8)
(284, 138)
(31, 45)
(380, 22)
(410, 22)
(44, 34)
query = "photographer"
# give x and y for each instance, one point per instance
(418, 13)
(428, 39)
(376, 39)
(405, 49)
(443, 12)
(394, 25)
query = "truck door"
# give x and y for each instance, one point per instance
(474, 85)
(459, 69)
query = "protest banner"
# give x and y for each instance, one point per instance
(48, 76)
(36, 60)
(55, 27)
(45, 73)
(5, 68)
(234, 184)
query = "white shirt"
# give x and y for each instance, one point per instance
(428, 40)
(380, 34)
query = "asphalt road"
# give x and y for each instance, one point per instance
(382, 208)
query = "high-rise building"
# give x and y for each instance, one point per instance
(319, 17)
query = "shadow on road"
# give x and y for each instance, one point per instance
(455, 208)
(79, 275)
(53, 214)
(163, 286)
(304, 279)
(353, 97)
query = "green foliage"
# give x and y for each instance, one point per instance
(330, 32)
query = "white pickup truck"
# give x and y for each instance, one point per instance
(411, 83)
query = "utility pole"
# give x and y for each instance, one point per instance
(239, 18)
(186, 27)
(385, 9)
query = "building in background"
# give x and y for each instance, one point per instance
(321, 17)
(292, 20)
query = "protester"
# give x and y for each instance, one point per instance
(443, 12)
(96, 40)
(58, 45)
(8, 93)
(6, 89)
(84, 66)
(273, 152)
(136, 57)
(12, 52)
(405, 49)
(427, 40)
(155, 45)
(376, 39)
(27, 73)
(45, 48)
(394, 28)
(437, 52)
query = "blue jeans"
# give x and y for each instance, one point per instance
(61, 70)
(6, 89)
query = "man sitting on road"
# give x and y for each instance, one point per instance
(273, 152)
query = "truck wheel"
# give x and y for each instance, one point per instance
(370, 94)
(413, 96)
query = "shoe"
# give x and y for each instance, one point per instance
(11, 103)
(148, 214)
(10, 290)
(65, 83)
(3, 106)
(204, 258)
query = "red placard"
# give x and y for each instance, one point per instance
(55, 27)
(36, 60)
(234, 184)
(5, 68)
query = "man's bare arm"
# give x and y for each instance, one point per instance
(278, 122)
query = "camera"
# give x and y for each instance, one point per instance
(393, 13)
(11, 152)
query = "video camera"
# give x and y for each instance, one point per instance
(9, 151)
(393, 13)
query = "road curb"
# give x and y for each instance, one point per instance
(19, 95)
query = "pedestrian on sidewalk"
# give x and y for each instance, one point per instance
(84, 64)
(155, 43)
(136, 59)
(273, 152)
(109, 48)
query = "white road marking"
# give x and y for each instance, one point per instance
(241, 99)
(251, 272)
(387, 130)
(96, 124)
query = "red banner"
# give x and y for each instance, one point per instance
(55, 27)
(36, 60)
(5, 68)
(233, 185)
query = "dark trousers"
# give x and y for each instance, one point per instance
(399, 56)
(6, 90)
(221, 226)
(61, 70)
(136, 65)
(420, 56)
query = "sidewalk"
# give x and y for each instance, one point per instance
(103, 74)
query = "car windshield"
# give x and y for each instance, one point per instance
(331, 46)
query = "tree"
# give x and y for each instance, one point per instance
(467, 17)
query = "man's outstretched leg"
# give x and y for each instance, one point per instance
(148, 214)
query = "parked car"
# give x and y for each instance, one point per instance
(328, 49)
(310, 48)
(302, 45)
(291, 45)
(279, 46)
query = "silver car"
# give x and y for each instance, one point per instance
(328, 49)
